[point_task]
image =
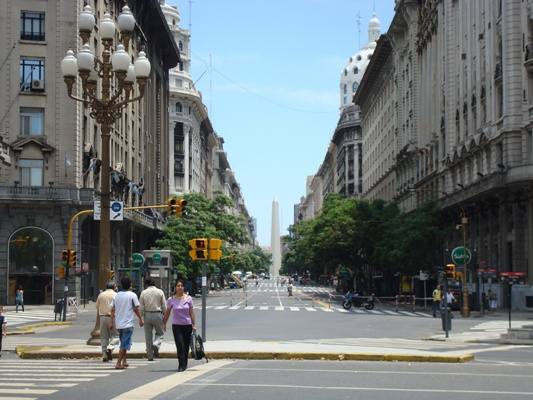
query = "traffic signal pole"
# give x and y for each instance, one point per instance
(204, 298)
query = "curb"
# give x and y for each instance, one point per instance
(47, 352)
(30, 329)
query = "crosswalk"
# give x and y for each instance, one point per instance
(38, 314)
(273, 288)
(309, 308)
(32, 379)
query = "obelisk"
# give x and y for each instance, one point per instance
(275, 243)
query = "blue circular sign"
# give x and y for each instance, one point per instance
(116, 206)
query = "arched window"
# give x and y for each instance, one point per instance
(355, 86)
(179, 107)
(180, 45)
(358, 58)
(345, 88)
(356, 70)
(345, 72)
(180, 66)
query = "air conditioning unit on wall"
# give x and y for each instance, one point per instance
(37, 85)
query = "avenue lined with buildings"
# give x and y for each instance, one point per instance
(130, 262)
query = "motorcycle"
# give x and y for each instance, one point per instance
(358, 301)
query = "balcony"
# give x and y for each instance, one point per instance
(528, 62)
(45, 193)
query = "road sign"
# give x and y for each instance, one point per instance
(117, 211)
(156, 258)
(137, 260)
(424, 276)
(96, 210)
(459, 254)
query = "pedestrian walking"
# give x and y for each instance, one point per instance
(153, 306)
(493, 300)
(183, 322)
(3, 327)
(125, 306)
(104, 304)
(437, 297)
(19, 299)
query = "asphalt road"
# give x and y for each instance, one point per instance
(485, 379)
(266, 312)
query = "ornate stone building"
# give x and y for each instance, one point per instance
(50, 146)
(342, 168)
(462, 107)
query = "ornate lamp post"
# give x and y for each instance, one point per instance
(106, 104)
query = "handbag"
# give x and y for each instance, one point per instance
(197, 347)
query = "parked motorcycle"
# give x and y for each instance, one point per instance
(355, 300)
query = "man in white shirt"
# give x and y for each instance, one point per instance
(125, 305)
(450, 298)
(153, 306)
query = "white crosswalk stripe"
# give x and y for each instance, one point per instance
(22, 378)
(39, 314)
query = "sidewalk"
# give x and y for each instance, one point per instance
(412, 351)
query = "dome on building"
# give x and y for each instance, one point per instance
(354, 70)
(172, 15)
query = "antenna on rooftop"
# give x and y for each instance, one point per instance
(358, 21)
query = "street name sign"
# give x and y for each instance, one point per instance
(459, 254)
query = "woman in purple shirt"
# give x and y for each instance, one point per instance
(183, 322)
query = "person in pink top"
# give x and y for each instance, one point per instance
(183, 322)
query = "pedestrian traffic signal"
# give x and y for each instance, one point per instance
(60, 271)
(450, 271)
(215, 251)
(72, 258)
(198, 249)
(176, 206)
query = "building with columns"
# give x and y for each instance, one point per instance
(342, 169)
(50, 147)
(461, 112)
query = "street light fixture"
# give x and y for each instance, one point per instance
(113, 65)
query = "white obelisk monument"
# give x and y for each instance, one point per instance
(275, 242)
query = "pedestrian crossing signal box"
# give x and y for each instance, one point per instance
(199, 250)
(450, 271)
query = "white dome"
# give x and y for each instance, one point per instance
(171, 13)
(354, 69)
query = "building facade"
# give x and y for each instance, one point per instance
(462, 73)
(51, 147)
(342, 168)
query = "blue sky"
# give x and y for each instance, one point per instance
(273, 93)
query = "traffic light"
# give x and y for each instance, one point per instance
(64, 256)
(198, 249)
(180, 207)
(215, 252)
(72, 258)
(450, 271)
(176, 206)
(111, 275)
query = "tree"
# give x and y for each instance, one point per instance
(203, 218)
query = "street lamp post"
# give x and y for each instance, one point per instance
(106, 105)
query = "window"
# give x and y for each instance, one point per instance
(179, 107)
(345, 89)
(32, 121)
(180, 66)
(179, 82)
(180, 45)
(31, 69)
(31, 172)
(355, 86)
(32, 25)
(356, 70)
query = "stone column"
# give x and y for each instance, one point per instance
(492, 242)
(519, 222)
(530, 240)
(502, 238)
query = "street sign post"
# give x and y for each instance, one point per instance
(156, 258)
(117, 211)
(512, 278)
(137, 260)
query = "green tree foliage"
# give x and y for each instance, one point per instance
(362, 236)
(203, 218)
